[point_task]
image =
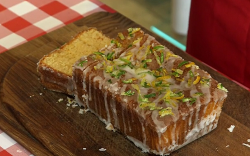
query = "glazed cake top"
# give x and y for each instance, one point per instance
(145, 75)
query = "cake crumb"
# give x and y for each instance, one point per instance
(110, 127)
(70, 101)
(248, 140)
(40, 93)
(84, 148)
(102, 149)
(83, 111)
(80, 111)
(60, 100)
(74, 105)
(247, 145)
(31, 96)
(231, 128)
(227, 146)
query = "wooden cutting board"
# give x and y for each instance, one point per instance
(35, 118)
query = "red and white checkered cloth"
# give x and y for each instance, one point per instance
(9, 147)
(24, 20)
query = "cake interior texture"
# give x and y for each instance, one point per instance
(84, 44)
(56, 68)
(153, 97)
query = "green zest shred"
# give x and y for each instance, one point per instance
(162, 57)
(198, 94)
(175, 74)
(131, 31)
(150, 106)
(182, 63)
(144, 62)
(159, 47)
(150, 95)
(190, 100)
(178, 94)
(144, 105)
(128, 63)
(128, 93)
(124, 60)
(82, 62)
(157, 58)
(179, 71)
(127, 81)
(205, 81)
(144, 83)
(142, 99)
(191, 73)
(109, 69)
(121, 36)
(118, 73)
(221, 87)
(110, 56)
(109, 81)
(166, 111)
(98, 53)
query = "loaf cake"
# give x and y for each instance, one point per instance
(156, 99)
(56, 68)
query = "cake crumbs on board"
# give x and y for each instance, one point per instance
(84, 148)
(82, 111)
(60, 100)
(110, 127)
(247, 145)
(102, 149)
(231, 128)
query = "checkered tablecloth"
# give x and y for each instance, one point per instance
(24, 20)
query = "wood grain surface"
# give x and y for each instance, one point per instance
(33, 116)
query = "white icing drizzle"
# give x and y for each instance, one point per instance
(90, 86)
(114, 111)
(106, 106)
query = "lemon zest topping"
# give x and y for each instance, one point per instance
(121, 36)
(169, 54)
(197, 80)
(133, 30)
(189, 65)
(166, 111)
(221, 87)
(138, 40)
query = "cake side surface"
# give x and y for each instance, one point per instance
(55, 68)
(155, 98)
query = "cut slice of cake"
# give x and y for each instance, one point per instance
(56, 68)
(155, 98)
